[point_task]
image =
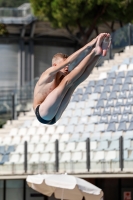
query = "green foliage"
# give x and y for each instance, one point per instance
(12, 3)
(3, 30)
(83, 14)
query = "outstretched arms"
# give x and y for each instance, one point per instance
(73, 59)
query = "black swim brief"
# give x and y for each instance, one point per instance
(40, 119)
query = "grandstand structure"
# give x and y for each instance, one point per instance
(94, 137)
(100, 109)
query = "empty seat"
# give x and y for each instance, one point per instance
(116, 88)
(110, 81)
(35, 139)
(83, 120)
(119, 102)
(7, 140)
(97, 111)
(104, 96)
(130, 126)
(117, 110)
(79, 91)
(22, 131)
(127, 110)
(45, 139)
(93, 120)
(74, 138)
(123, 67)
(106, 136)
(98, 89)
(122, 126)
(10, 149)
(40, 131)
(107, 111)
(60, 130)
(71, 105)
(16, 140)
(100, 127)
(107, 88)
(39, 148)
(76, 156)
(50, 130)
(31, 131)
(90, 104)
(87, 112)
(89, 128)
(95, 136)
(114, 145)
(50, 147)
(130, 95)
(84, 137)
(13, 132)
(104, 119)
(67, 113)
(14, 158)
(121, 74)
(99, 156)
(44, 157)
(103, 145)
(118, 81)
(113, 95)
(128, 135)
(69, 129)
(77, 112)
(94, 96)
(114, 118)
(5, 158)
(63, 121)
(130, 73)
(91, 83)
(25, 138)
(125, 87)
(124, 118)
(110, 103)
(128, 80)
(34, 158)
(54, 137)
(122, 95)
(70, 146)
(111, 127)
(88, 90)
(64, 137)
(129, 101)
(75, 98)
(65, 157)
(116, 135)
(79, 128)
(81, 104)
(112, 74)
(20, 149)
(100, 104)
(84, 97)
(111, 155)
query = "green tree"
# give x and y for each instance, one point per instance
(84, 15)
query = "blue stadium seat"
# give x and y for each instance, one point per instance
(130, 95)
(4, 159)
(88, 90)
(100, 82)
(111, 127)
(112, 74)
(130, 73)
(114, 118)
(129, 101)
(117, 110)
(110, 103)
(75, 98)
(128, 80)
(10, 149)
(130, 126)
(100, 104)
(116, 88)
(103, 96)
(121, 74)
(2, 150)
(79, 91)
(125, 87)
(98, 89)
(107, 88)
(126, 61)
(110, 81)
(127, 109)
(97, 111)
(124, 118)
(113, 95)
(119, 102)
(114, 68)
(84, 97)
(107, 111)
(104, 119)
(122, 126)
(92, 83)
(118, 81)
(122, 95)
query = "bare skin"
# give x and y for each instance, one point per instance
(56, 85)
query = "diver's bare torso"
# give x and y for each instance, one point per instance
(44, 86)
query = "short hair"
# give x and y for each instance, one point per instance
(59, 55)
